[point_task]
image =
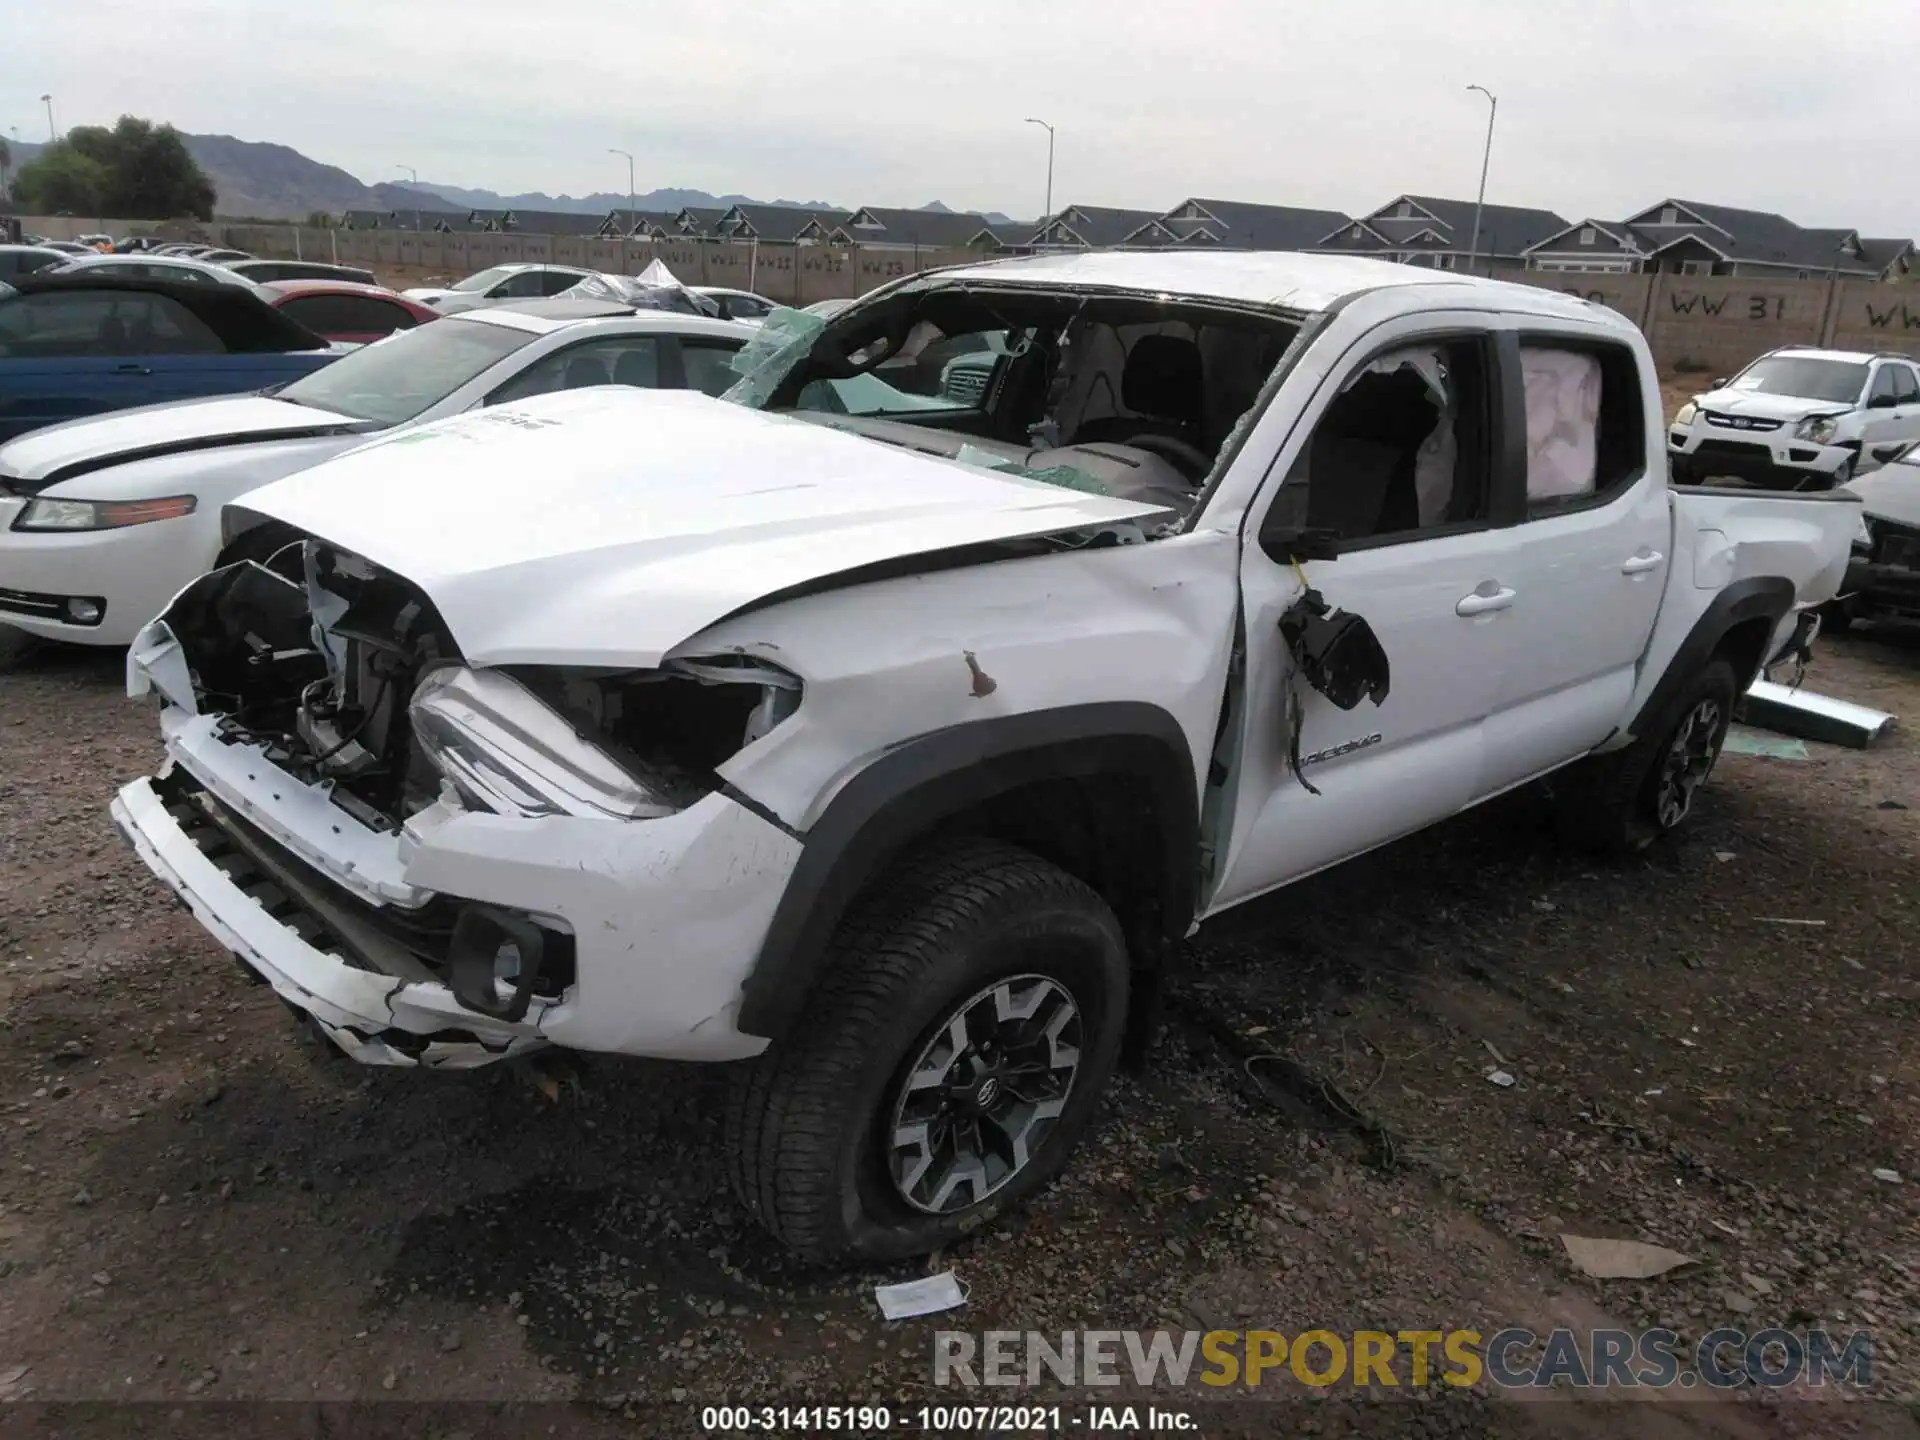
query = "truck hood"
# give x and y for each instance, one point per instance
(1769, 407)
(606, 526)
(60, 452)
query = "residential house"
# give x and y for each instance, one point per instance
(698, 222)
(1097, 227)
(1429, 230)
(883, 227)
(785, 223)
(1241, 225)
(1892, 259)
(622, 223)
(1689, 237)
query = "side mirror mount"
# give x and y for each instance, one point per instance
(1300, 542)
(1882, 402)
(1717, 384)
(1337, 652)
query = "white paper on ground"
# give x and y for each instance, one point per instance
(926, 1296)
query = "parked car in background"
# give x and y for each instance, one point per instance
(266, 272)
(25, 259)
(891, 760)
(135, 245)
(1799, 418)
(221, 257)
(69, 247)
(499, 284)
(103, 244)
(181, 247)
(73, 345)
(1883, 582)
(738, 304)
(101, 521)
(177, 269)
(345, 312)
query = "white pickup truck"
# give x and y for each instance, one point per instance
(892, 755)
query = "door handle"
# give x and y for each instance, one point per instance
(130, 368)
(1484, 601)
(1640, 564)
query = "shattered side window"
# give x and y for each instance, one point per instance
(784, 339)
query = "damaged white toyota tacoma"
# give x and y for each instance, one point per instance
(887, 738)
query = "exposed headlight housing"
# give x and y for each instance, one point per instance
(73, 515)
(1820, 429)
(506, 751)
(1686, 413)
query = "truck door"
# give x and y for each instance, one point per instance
(1589, 559)
(1390, 479)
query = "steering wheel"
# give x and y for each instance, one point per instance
(1189, 460)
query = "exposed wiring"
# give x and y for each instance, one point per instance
(366, 718)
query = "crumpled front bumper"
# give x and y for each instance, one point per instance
(364, 1013)
(667, 918)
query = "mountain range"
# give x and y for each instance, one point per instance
(257, 179)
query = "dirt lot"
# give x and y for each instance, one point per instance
(192, 1205)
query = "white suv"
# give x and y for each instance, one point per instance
(1800, 419)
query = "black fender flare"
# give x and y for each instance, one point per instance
(1767, 597)
(913, 787)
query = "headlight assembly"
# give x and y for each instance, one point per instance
(1820, 429)
(1686, 413)
(504, 750)
(73, 515)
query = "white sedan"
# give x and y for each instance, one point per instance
(103, 520)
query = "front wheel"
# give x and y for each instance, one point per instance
(1624, 801)
(947, 1064)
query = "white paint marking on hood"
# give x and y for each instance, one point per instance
(605, 526)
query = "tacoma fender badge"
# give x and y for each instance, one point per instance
(1345, 748)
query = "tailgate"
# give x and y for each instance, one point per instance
(1805, 537)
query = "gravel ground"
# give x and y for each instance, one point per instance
(195, 1204)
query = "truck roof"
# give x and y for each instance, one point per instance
(1283, 280)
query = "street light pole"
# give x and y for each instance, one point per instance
(416, 194)
(1486, 159)
(52, 134)
(630, 216)
(1049, 129)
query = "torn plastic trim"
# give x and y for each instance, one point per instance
(301, 817)
(334, 993)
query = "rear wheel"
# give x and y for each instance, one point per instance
(947, 1065)
(1624, 801)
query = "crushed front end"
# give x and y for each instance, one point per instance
(444, 865)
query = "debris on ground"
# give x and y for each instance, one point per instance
(1742, 741)
(1814, 716)
(1622, 1259)
(928, 1295)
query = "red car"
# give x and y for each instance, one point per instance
(342, 310)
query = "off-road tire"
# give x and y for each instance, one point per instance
(805, 1122)
(1609, 804)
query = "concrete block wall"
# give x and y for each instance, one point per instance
(1715, 324)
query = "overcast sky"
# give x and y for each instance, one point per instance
(1605, 105)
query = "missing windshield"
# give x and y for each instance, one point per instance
(1123, 394)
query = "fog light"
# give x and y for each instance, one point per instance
(85, 612)
(490, 948)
